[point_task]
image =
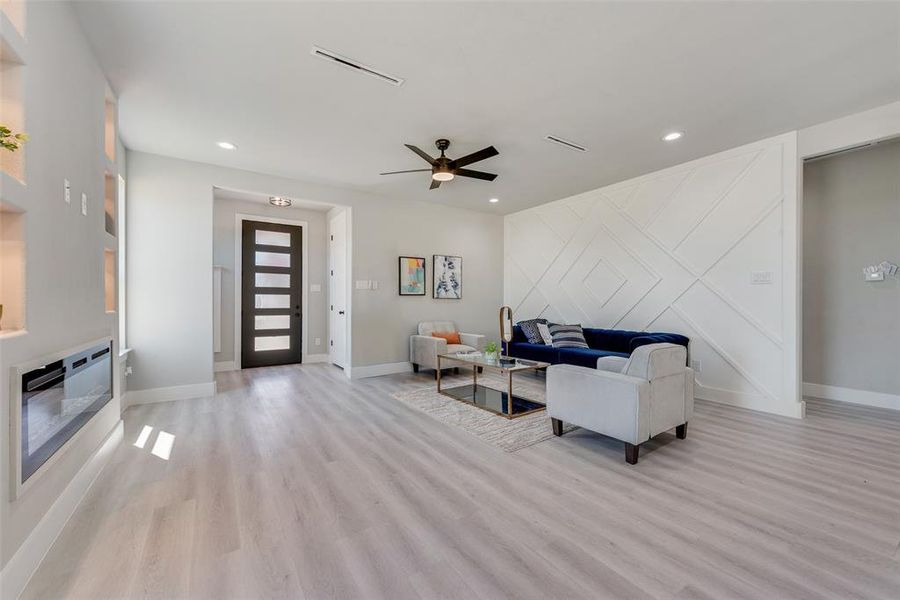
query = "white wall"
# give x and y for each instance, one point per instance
(170, 203)
(674, 251)
(851, 328)
(64, 99)
(315, 321)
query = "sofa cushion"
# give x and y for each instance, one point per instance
(568, 336)
(585, 357)
(529, 328)
(657, 338)
(616, 340)
(538, 352)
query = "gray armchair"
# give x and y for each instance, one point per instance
(630, 399)
(423, 348)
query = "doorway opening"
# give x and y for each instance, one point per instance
(271, 294)
(851, 282)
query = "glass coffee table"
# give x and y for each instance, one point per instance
(499, 402)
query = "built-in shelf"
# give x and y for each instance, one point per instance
(109, 280)
(12, 268)
(110, 188)
(12, 103)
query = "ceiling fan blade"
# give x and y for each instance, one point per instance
(435, 184)
(476, 174)
(409, 171)
(475, 157)
(421, 153)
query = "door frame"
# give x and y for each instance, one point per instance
(239, 219)
(348, 278)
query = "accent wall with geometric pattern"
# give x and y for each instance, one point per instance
(707, 248)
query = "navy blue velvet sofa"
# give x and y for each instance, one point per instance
(602, 342)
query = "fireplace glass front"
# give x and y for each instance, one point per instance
(58, 399)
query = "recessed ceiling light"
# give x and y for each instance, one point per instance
(672, 136)
(227, 146)
(494, 200)
(279, 201)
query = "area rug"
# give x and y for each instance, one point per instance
(507, 434)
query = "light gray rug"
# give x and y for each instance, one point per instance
(508, 434)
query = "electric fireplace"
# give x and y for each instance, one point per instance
(56, 399)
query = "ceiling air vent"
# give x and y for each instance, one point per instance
(566, 143)
(357, 66)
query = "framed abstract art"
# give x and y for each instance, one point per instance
(412, 276)
(447, 277)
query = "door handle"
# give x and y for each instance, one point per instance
(340, 312)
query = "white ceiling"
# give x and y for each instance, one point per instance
(612, 76)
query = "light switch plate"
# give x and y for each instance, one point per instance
(84, 204)
(68, 191)
(318, 341)
(877, 276)
(761, 277)
(374, 284)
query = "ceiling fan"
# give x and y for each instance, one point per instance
(444, 169)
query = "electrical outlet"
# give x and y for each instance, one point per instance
(697, 365)
(84, 204)
(761, 277)
(318, 341)
(68, 191)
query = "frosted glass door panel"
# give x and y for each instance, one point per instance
(274, 342)
(272, 322)
(273, 301)
(273, 238)
(273, 259)
(279, 280)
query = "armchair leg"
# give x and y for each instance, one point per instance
(631, 453)
(415, 368)
(557, 426)
(681, 431)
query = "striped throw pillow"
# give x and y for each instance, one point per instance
(568, 336)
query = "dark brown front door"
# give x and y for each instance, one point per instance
(271, 320)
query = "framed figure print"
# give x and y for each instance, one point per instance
(447, 277)
(412, 276)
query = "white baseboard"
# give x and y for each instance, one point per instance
(382, 369)
(842, 394)
(28, 557)
(170, 394)
(225, 365)
(316, 358)
(749, 401)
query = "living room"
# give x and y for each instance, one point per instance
(449, 300)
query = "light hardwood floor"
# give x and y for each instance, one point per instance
(293, 482)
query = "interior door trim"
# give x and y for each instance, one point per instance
(239, 219)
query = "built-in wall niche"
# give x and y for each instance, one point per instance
(12, 269)
(109, 279)
(109, 130)
(12, 105)
(14, 10)
(110, 203)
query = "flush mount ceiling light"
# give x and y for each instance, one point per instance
(226, 146)
(279, 201)
(494, 200)
(672, 136)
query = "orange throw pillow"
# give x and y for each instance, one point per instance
(452, 337)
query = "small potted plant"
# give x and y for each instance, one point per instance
(491, 350)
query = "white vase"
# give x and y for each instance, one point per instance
(491, 355)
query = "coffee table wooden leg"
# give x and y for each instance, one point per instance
(474, 379)
(439, 374)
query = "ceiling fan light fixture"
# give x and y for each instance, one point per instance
(442, 175)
